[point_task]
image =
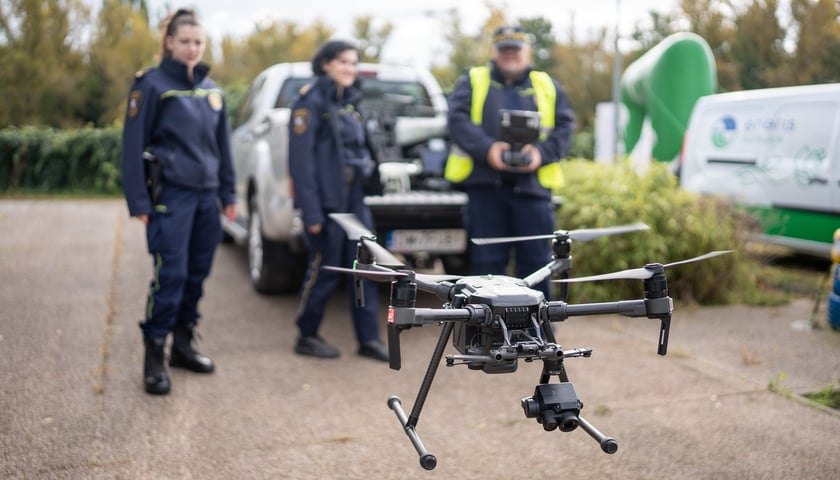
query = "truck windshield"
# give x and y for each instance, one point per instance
(409, 98)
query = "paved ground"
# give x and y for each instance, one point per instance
(72, 280)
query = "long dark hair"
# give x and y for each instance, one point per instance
(329, 52)
(170, 24)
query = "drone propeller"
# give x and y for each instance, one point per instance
(357, 231)
(581, 235)
(387, 275)
(641, 273)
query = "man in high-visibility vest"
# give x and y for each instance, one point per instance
(503, 199)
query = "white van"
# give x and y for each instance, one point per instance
(776, 152)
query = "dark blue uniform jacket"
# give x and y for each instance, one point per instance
(475, 140)
(182, 122)
(316, 164)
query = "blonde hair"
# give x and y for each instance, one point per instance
(169, 26)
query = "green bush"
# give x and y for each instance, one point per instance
(583, 145)
(682, 225)
(49, 161)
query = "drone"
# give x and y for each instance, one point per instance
(496, 320)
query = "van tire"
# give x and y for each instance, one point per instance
(272, 266)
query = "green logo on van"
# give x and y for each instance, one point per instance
(723, 132)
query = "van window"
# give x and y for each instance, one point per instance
(803, 134)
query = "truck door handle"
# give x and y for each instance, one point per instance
(819, 180)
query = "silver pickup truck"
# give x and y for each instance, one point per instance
(418, 216)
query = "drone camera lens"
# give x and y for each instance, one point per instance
(549, 420)
(569, 421)
(531, 407)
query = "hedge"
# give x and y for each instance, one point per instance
(44, 160)
(682, 225)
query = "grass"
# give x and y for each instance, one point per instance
(829, 397)
(783, 275)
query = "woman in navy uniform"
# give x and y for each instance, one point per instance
(177, 114)
(330, 163)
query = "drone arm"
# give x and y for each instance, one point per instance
(558, 265)
(442, 290)
(627, 308)
(472, 314)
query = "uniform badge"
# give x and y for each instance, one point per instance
(300, 121)
(215, 100)
(135, 101)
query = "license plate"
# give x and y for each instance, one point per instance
(451, 240)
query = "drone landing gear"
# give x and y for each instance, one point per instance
(427, 460)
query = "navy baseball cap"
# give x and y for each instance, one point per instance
(510, 36)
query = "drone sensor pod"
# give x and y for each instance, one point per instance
(554, 405)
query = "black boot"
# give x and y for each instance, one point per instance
(184, 355)
(155, 378)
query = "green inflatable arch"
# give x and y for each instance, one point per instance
(663, 85)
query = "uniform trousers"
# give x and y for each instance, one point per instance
(332, 247)
(502, 212)
(182, 236)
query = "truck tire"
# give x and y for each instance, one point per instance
(272, 266)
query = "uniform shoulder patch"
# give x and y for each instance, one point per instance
(304, 89)
(215, 100)
(301, 118)
(140, 73)
(135, 101)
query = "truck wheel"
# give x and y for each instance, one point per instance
(273, 268)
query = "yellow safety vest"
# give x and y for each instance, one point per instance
(459, 165)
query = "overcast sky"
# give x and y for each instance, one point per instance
(416, 38)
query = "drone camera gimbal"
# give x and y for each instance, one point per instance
(554, 405)
(495, 320)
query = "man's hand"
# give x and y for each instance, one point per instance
(494, 155)
(314, 229)
(144, 218)
(536, 157)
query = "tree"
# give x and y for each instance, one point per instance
(371, 40)
(584, 70)
(272, 42)
(758, 45)
(647, 37)
(122, 44)
(42, 54)
(817, 41)
(467, 51)
(543, 43)
(713, 20)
